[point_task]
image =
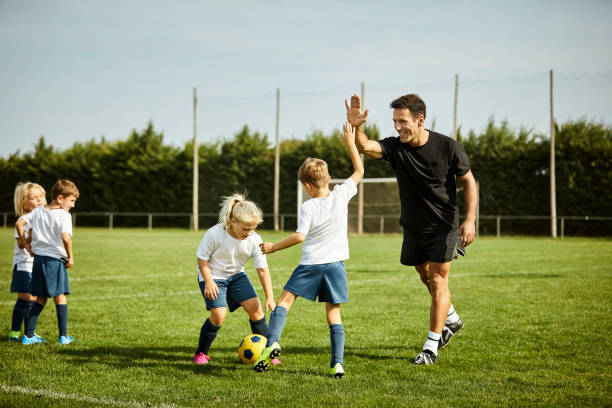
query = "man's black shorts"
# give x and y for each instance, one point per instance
(420, 247)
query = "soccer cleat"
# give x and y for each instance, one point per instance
(425, 357)
(65, 340)
(14, 336)
(337, 371)
(200, 359)
(450, 329)
(266, 357)
(32, 340)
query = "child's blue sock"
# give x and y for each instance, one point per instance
(259, 326)
(208, 332)
(19, 313)
(336, 336)
(277, 322)
(62, 319)
(33, 320)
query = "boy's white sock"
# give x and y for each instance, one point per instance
(431, 343)
(452, 315)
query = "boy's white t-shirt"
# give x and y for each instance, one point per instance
(47, 229)
(227, 255)
(324, 221)
(21, 257)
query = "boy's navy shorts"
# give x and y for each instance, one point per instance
(21, 281)
(232, 291)
(421, 247)
(327, 281)
(49, 277)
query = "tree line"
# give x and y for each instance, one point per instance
(143, 174)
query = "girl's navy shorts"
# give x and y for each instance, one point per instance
(232, 291)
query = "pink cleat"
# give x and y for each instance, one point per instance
(200, 358)
(276, 361)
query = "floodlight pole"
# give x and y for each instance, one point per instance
(196, 166)
(277, 164)
(361, 188)
(553, 186)
(455, 108)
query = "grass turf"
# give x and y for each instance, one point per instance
(537, 315)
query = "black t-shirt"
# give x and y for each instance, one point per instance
(426, 180)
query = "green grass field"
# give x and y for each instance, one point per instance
(536, 312)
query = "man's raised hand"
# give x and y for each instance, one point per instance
(353, 111)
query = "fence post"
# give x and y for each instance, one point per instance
(150, 221)
(498, 226)
(282, 223)
(562, 227)
(382, 224)
(73, 220)
(5, 219)
(110, 221)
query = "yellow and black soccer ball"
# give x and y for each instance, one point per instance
(250, 348)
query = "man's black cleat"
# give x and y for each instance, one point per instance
(425, 357)
(450, 329)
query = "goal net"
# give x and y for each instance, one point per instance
(379, 202)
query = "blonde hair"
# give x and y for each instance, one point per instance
(314, 171)
(236, 206)
(23, 191)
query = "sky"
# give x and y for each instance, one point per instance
(75, 71)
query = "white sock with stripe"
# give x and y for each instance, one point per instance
(452, 315)
(431, 343)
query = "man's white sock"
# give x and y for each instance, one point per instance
(452, 315)
(431, 343)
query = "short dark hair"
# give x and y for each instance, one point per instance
(412, 102)
(64, 188)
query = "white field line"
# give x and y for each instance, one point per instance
(16, 389)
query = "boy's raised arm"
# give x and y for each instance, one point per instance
(348, 137)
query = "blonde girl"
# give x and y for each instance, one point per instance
(26, 198)
(221, 255)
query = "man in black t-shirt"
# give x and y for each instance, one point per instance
(426, 165)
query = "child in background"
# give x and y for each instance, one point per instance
(51, 244)
(222, 254)
(27, 197)
(322, 226)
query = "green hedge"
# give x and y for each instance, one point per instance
(142, 174)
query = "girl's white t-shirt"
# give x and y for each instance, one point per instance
(227, 255)
(47, 229)
(21, 257)
(324, 221)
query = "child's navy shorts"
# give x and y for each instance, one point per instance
(421, 247)
(49, 277)
(327, 281)
(21, 281)
(232, 291)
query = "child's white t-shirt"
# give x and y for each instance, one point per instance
(324, 221)
(227, 255)
(47, 229)
(21, 257)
